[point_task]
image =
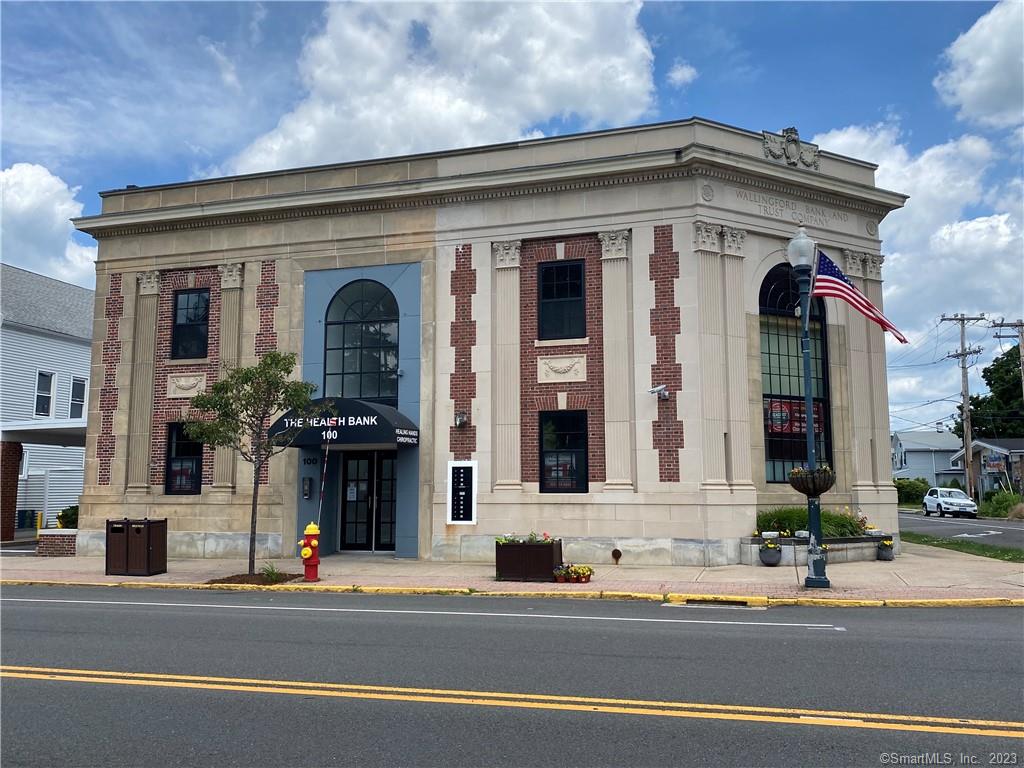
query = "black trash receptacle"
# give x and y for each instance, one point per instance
(117, 547)
(136, 547)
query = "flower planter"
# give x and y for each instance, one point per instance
(813, 484)
(771, 555)
(527, 562)
(885, 553)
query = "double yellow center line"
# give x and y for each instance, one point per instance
(814, 717)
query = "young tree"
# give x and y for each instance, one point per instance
(1000, 413)
(237, 412)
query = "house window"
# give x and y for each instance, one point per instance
(361, 344)
(782, 380)
(191, 324)
(563, 451)
(561, 306)
(184, 462)
(78, 389)
(44, 393)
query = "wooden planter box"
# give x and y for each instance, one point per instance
(527, 562)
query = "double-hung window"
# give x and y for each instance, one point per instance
(191, 324)
(561, 304)
(563, 451)
(44, 393)
(184, 472)
(78, 390)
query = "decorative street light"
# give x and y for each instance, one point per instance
(801, 251)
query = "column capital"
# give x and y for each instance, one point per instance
(873, 265)
(231, 276)
(707, 237)
(506, 254)
(614, 244)
(149, 283)
(733, 240)
(854, 266)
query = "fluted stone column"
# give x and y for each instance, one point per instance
(140, 416)
(860, 380)
(618, 357)
(230, 330)
(880, 445)
(713, 384)
(507, 462)
(737, 441)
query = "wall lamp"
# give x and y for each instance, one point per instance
(661, 391)
(461, 419)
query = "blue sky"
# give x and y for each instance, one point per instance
(96, 96)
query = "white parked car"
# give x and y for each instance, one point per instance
(949, 501)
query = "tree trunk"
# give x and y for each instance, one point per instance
(252, 523)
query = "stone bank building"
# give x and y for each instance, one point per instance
(590, 335)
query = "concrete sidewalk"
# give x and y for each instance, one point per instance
(919, 573)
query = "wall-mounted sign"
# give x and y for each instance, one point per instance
(462, 492)
(995, 462)
(345, 421)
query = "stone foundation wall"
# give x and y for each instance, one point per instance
(794, 552)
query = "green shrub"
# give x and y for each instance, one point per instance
(1000, 504)
(987, 496)
(68, 517)
(911, 492)
(792, 519)
(954, 483)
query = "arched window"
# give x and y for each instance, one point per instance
(361, 344)
(782, 379)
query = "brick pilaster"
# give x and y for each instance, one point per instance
(462, 384)
(10, 462)
(113, 309)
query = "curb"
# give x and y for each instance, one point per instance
(675, 598)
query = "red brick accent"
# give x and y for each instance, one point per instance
(113, 310)
(582, 395)
(665, 326)
(462, 334)
(266, 303)
(56, 545)
(10, 463)
(167, 410)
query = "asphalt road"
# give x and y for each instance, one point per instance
(999, 533)
(333, 679)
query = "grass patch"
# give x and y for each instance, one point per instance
(1006, 554)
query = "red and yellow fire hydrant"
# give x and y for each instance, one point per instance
(310, 552)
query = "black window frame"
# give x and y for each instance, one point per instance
(176, 440)
(782, 393)
(363, 324)
(547, 305)
(48, 396)
(580, 479)
(186, 336)
(80, 403)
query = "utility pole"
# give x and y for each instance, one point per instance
(1019, 338)
(965, 393)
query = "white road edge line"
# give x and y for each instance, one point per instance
(221, 606)
(957, 521)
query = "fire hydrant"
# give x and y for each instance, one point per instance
(310, 552)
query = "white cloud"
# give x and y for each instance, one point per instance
(226, 67)
(681, 74)
(259, 13)
(36, 231)
(984, 78)
(398, 78)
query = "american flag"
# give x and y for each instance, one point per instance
(830, 281)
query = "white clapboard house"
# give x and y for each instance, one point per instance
(45, 345)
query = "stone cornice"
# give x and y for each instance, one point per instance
(695, 160)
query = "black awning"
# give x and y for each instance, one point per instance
(344, 421)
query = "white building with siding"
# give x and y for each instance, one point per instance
(45, 335)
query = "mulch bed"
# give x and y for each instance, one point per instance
(258, 578)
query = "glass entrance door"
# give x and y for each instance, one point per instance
(368, 501)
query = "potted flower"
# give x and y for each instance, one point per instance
(812, 484)
(561, 572)
(770, 552)
(885, 549)
(526, 558)
(580, 573)
(824, 552)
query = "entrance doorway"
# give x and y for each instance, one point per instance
(368, 501)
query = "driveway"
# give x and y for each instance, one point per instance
(994, 531)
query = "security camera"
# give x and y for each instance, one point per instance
(658, 389)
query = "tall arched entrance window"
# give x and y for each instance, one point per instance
(361, 344)
(782, 381)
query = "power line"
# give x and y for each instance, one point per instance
(962, 320)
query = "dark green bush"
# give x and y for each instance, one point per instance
(792, 519)
(68, 517)
(954, 483)
(989, 494)
(911, 492)
(1000, 504)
